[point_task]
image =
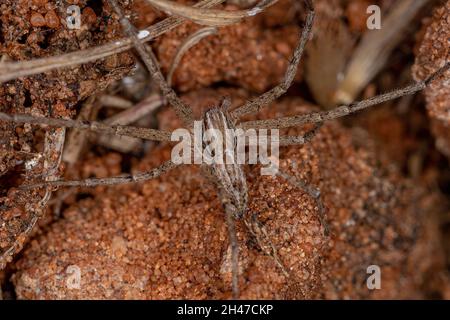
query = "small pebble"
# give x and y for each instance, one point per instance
(52, 20)
(37, 20)
(88, 15)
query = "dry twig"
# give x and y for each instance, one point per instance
(210, 17)
(372, 53)
(191, 41)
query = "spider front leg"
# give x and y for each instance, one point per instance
(270, 96)
(313, 192)
(299, 140)
(148, 57)
(344, 110)
(130, 131)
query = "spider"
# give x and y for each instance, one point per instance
(229, 179)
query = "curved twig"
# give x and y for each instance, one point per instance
(210, 17)
(191, 41)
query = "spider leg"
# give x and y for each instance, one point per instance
(344, 110)
(141, 176)
(136, 132)
(270, 96)
(299, 140)
(230, 214)
(150, 61)
(53, 146)
(313, 193)
(257, 229)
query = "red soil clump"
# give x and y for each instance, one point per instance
(253, 54)
(433, 52)
(166, 238)
(37, 29)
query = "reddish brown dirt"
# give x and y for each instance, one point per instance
(433, 53)
(24, 36)
(167, 239)
(257, 65)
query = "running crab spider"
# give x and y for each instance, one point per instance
(229, 179)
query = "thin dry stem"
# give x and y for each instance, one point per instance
(191, 41)
(114, 102)
(210, 17)
(138, 111)
(374, 49)
(76, 137)
(126, 117)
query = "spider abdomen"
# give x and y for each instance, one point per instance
(221, 154)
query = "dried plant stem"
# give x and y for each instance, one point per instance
(191, 41)
(77, 138)
(14, 70)
(126, 117)
(374, 49)
(115, 102)
(210, 17)
(138, 111)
